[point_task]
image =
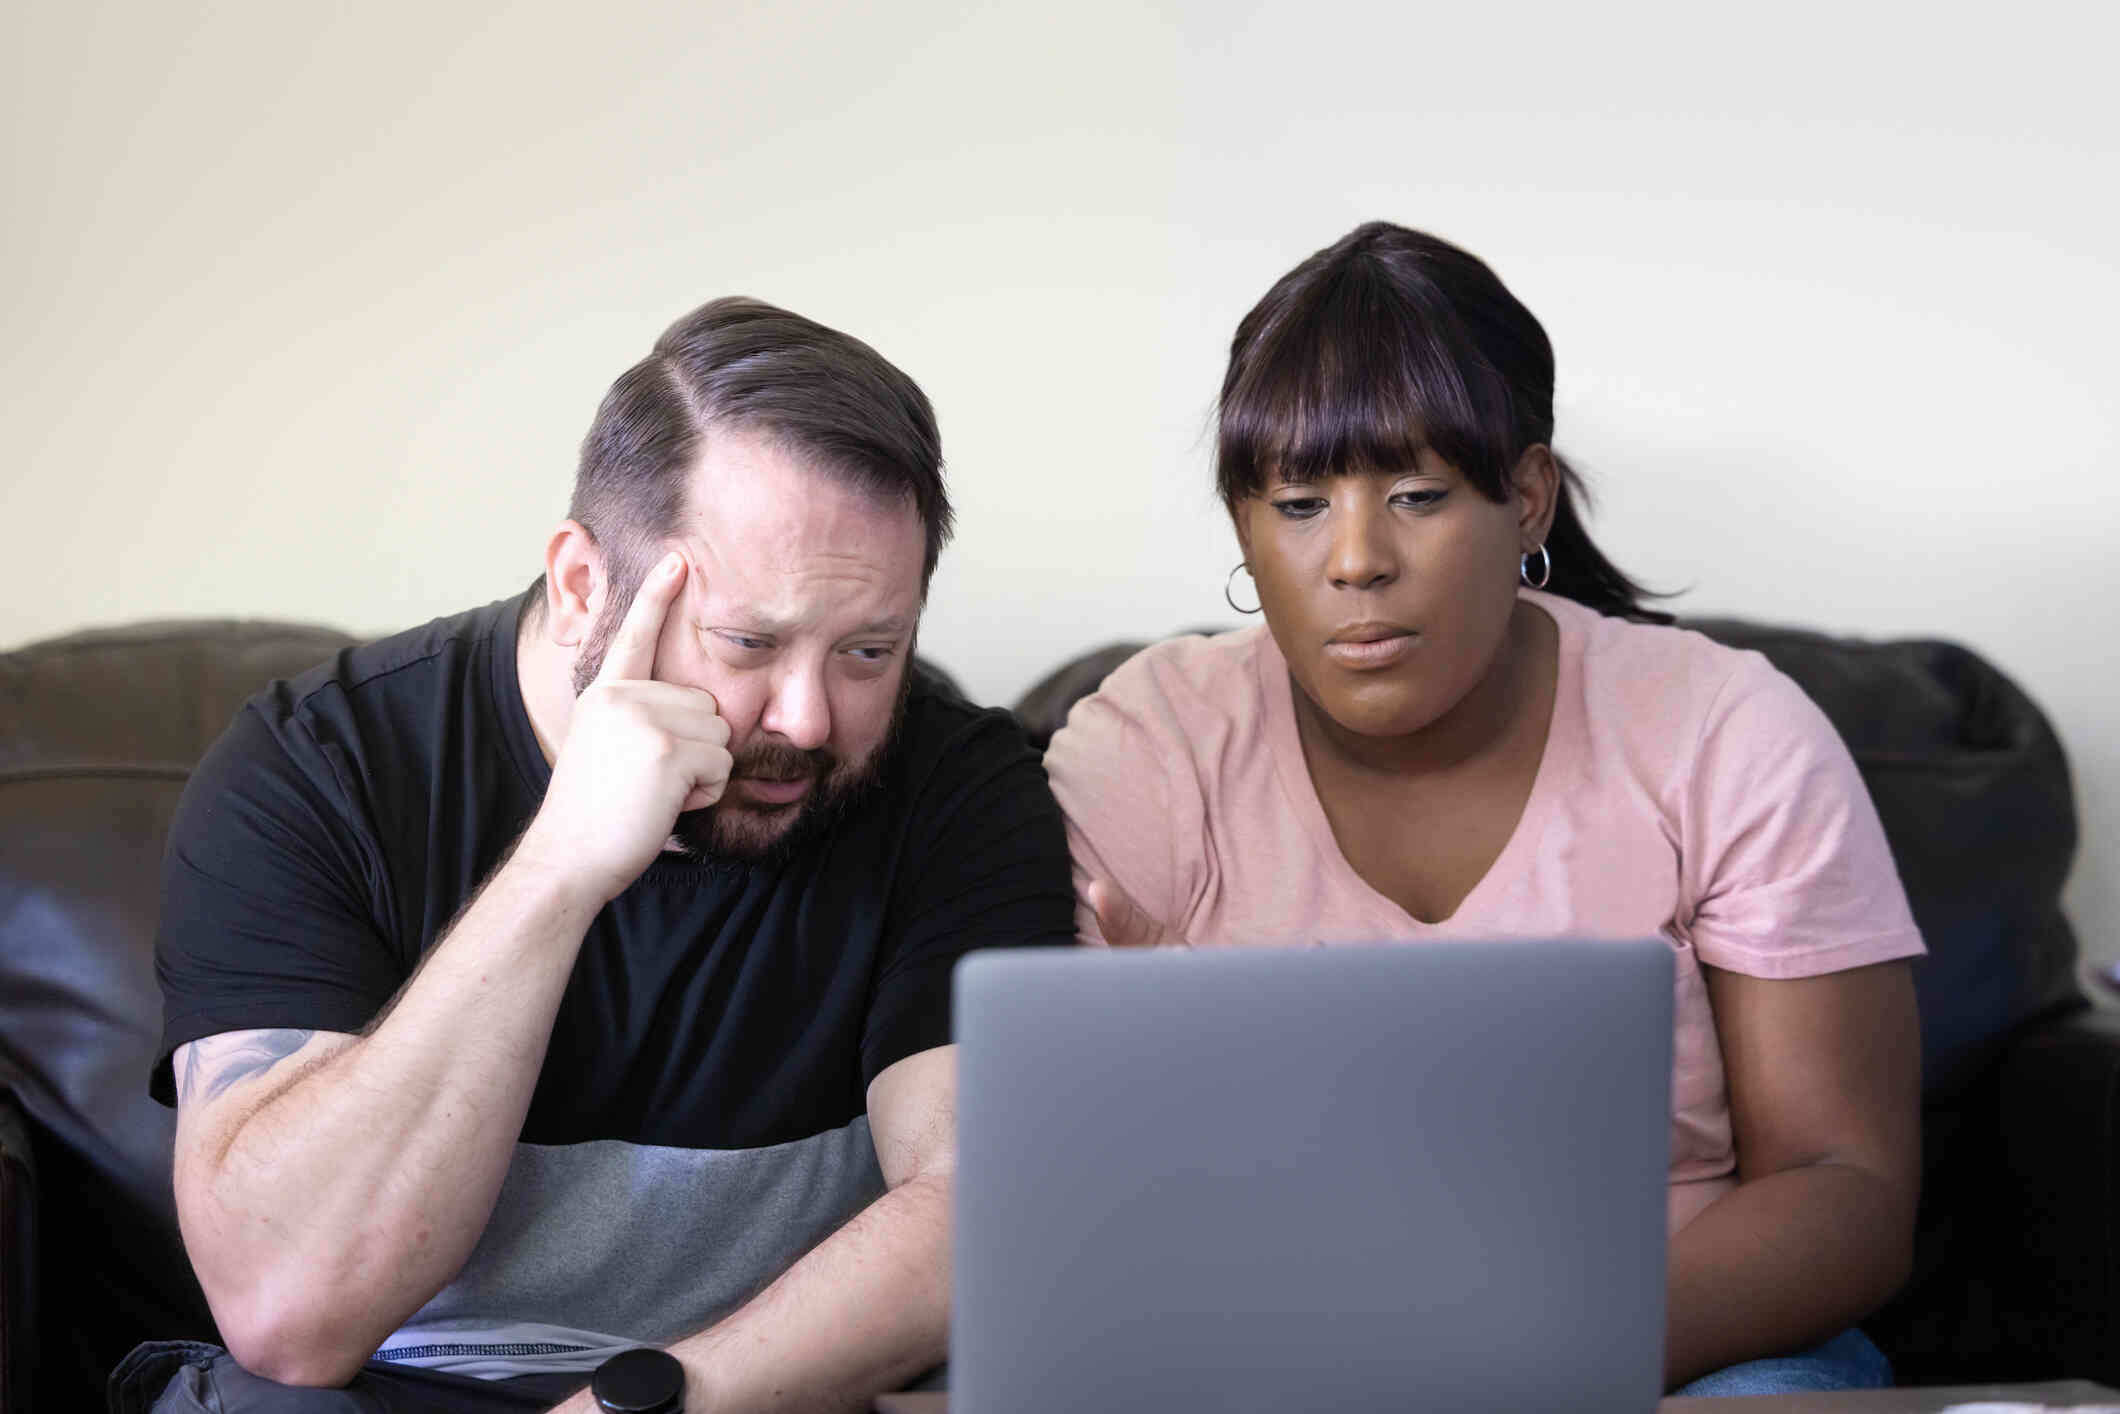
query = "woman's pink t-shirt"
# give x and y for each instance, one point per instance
(1687, 790)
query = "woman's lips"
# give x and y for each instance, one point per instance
(1369, 649)
(767, 791)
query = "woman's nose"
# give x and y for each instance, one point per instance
(1362, 554)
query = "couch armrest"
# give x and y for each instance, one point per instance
(2057, 1217)
(18, 1258)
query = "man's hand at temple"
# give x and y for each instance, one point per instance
(637, 752)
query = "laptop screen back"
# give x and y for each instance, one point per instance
(1355, 1177)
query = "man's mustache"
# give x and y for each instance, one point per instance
(778, 761)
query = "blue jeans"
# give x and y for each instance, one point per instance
(1847, 1361)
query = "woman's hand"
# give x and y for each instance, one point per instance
(1124, 923)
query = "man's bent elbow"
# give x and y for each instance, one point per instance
(291, 1346)
(280, 1313)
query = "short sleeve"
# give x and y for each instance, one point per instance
(268, 889)
(985, 867)
(1785, 871)
(1115, 790)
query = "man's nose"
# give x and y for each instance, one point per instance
(1362, 555)
(799, 713)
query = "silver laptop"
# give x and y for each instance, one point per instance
(1400, 1176)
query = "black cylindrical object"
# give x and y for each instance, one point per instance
(640, 1382)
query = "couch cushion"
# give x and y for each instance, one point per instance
(97, 734)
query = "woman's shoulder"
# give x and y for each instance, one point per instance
(1668, 696)
(1183, 683)
(1186, 712)
(1658, 670)
(1168, 739)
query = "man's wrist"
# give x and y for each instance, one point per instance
(702, 1392)
(550, 882)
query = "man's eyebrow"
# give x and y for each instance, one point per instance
(751, 621)
(739, 619)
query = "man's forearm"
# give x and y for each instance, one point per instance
(350, 1189)
(1783, 1263)
(866, 1310)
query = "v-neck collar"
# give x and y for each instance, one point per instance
(1277, 695)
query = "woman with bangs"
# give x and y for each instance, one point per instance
(1458, 720)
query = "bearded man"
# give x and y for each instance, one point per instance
(573, 975)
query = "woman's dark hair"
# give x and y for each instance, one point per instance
(747, 365)
(1387, 341)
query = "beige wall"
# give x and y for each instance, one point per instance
(307, 306)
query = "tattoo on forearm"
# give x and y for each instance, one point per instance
(219, 1062)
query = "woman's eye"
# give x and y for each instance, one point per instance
(1300, 507)
(747, 643)
(871, 655)
(1419, 500)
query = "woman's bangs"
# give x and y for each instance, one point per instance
(1333, 391)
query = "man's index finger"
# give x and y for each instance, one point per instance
(632, 654)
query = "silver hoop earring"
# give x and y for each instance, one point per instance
(1230, 598)
(1545, 568)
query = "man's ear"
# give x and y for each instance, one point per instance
(1536, 479)
(575, 584)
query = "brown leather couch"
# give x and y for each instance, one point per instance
(2018, 1267)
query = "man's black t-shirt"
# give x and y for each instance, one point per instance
(723, 1020)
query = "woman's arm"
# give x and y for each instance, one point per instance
(1825, 1108)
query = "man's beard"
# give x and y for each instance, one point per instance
(762, 834)
(772, 834)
